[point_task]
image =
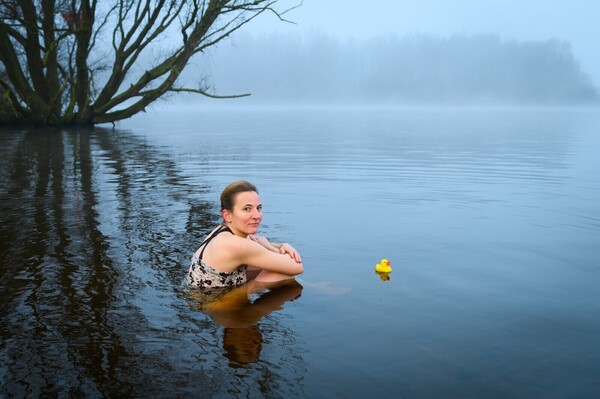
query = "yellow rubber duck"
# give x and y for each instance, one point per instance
(383, 266)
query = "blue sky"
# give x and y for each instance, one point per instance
(575, 21)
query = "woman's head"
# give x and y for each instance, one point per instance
(241, 208)
(232, 190)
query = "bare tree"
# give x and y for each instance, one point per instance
(87, 62)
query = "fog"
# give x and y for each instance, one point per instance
(408, 69)
(533, 52)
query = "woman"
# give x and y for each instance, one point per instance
(232, 248)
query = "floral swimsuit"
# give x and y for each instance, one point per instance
(202, 275)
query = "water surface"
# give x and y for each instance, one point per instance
(490, 217)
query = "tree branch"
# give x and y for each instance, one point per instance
(205, 93)
(53, 70)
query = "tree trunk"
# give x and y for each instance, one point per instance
(50, 64)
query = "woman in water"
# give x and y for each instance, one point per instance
(233, 252)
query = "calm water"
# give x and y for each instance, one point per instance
(491, 219)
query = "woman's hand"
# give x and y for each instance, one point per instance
(286, 248)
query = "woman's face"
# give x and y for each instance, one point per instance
(246, 215)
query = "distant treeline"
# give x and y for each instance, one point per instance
(415, 68)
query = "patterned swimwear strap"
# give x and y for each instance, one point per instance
(210, 237)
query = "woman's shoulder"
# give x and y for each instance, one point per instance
(235, 248)
(225, 252)
(223, 241)
(231, 241)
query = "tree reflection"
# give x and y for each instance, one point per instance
(58, 281)
(96, 229)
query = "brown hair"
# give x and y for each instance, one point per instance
(233, 189)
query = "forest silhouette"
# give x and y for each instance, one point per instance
(416, 68)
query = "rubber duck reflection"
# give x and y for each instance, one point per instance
(383, 276)
(239, 315)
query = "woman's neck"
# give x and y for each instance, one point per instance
(233, 230)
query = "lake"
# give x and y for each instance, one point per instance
(490, 218)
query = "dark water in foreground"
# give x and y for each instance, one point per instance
(491, 219)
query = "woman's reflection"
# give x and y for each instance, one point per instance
(239, 314)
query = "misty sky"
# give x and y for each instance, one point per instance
(575, 21)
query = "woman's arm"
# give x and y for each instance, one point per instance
(283, 248)
(264, 242)
(253, 253)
